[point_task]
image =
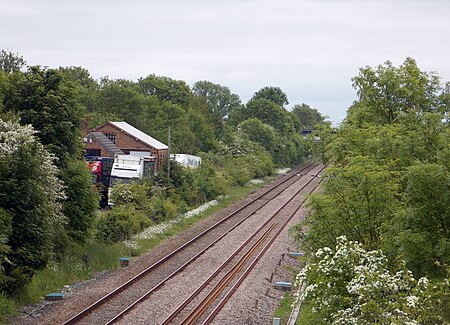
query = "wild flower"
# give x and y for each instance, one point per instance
(349, 285)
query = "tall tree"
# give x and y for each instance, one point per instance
(165, 88)
(386, 92)
(221, 101)
(31, 194)
(306, 117)
(10, 62)
(266, 111)
(42, 99)
(273, 94)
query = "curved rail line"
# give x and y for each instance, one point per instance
(152, 267)
(230, 275)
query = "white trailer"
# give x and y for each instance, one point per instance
(127, 169)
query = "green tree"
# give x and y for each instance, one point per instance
(86, 88)
(10, 62)
(424, 234)
(261, 133)
(116, 98)
(42, 99)
(273, 94)
(357, 201)
(386, 92)
(31, 194)
(266, 111)
(221, 101)
(81, 203)
(165, 88)
(306, 117)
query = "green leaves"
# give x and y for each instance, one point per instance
(350, 285)
(30, 203)
(386, 93)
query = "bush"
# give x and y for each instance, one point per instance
(121, 223)
(349, 285)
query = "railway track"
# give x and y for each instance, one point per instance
(209, 298)
(120, 301)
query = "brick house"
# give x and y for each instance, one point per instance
(125, 137)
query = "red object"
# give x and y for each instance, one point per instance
(95, 166)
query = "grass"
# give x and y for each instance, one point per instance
(97, 257)
(233, 195)
(284, 310)
(306, 316)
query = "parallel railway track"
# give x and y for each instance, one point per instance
(120, 301)
(225, 280)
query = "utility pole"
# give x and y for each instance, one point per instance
(168, 151)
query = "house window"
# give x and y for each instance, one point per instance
(111, 137)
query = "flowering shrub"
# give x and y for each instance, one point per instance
(349, 285)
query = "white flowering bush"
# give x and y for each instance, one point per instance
(30, 204)
(349, 285)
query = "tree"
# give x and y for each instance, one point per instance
(116, 99)
(86, 88)
(357, 200)
(273, 94)
(266, 111)
(31, 195)
(42, 99)
(81, 203)
(165, 88)
(10, 62)
(306, 117)
(386, 93)
(260, 133)
(221, 101)
(423, 227)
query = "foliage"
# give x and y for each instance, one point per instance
(266, 111)
(423, 227)
(221, 101)
(357, 200)
(11, 62)
(82, 200)
(135, 195)
(260, 133)
(272, 94)
(31, 195)
(387, 183)
(121, 223)
(43, 100)
(349, 285)
(166, 89)
(306, 117)
(386, 92)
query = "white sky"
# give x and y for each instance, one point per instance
(309, 48)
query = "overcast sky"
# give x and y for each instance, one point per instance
(309, 48)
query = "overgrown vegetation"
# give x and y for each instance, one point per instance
(387, 188)
(48, 207)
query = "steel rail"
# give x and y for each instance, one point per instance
(175, 313)
(225, 281)
(128, 283)
(241, 279)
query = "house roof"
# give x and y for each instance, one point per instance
(138, 134)
(106, 143)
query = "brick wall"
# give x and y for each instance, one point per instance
(128, 143)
